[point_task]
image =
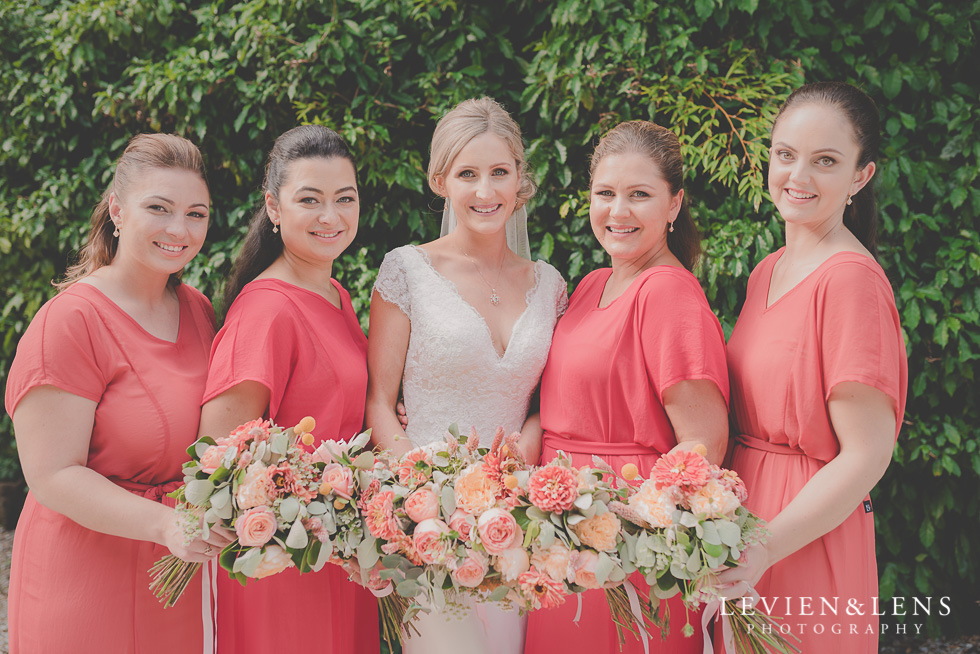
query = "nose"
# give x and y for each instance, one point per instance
(177, 228)
(800, 171)
(619, 208)
(483, 190)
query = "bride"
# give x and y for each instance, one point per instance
(463, 326)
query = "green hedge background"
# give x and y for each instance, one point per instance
(81, 77)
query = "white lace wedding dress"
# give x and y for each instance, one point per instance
(454, 374)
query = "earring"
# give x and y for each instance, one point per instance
(671, 230)
(849, 201)
(116, 232)
(275, 228)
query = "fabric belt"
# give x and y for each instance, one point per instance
(766, 446)
(155, 492)
(579, 446)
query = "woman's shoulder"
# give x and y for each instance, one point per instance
(266, 296)
(852, 274)
(669, 283)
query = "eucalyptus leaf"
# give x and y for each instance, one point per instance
(198, 491)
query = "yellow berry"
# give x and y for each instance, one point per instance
(505, 451)
(306, 424)
(325, 488)
(510, 481)
(307, 438)
(630, 472)
(339, 503)
(700, 449)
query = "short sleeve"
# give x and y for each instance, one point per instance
(392, 282)
(681, 338)
(62, 347)
(860, 334)
(258, 342)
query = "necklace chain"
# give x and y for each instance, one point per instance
(494, 298)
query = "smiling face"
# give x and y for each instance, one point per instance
(317, 209)
(162, 217)
(813, 165)
(631, 206)
(482, 184)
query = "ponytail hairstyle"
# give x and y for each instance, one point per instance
(861, 216)
(262, 246)
(661, 146)
(143, 153)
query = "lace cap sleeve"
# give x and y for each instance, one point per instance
(392, 282)
(561, 299)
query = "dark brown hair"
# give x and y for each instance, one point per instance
(143, 153)
(661, 146)
(861, 216)
(262, 246)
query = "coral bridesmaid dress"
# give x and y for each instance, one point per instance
(839, 324)
(312, 357)
(602, 393)
(77, 590)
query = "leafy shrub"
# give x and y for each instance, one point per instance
(82, 77)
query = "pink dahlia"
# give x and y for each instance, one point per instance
(553, 488)
(542, 591)
(380, 516)
(687, 470)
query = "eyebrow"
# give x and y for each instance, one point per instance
(169, 201)
(313, 189)
(790, 147)
(493, 165)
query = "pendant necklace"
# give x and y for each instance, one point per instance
(494, 298)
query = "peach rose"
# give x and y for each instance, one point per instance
(556, 561)
(653, 505)
(255, 489)
(599, 532)
(472, 570)
(714, 500)
(512, 563)
(340, 478)
(498, 531)
(584, 568)
(274, 560)
(256, 527)
(475, 490)
(422, 505)
(429, 542)
(463, 524)
(212, 458)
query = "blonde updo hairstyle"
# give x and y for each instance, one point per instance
(466, 121)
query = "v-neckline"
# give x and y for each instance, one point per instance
(134, 321)
(528, 296)
(809, 275)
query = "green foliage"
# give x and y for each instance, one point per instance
(82, 77)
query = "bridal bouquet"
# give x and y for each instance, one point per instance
(288, 507)
(457, 520)
(683, 523)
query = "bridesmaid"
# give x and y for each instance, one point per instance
(819, 374)
(291, 346)
(637, 364)
(104, 394)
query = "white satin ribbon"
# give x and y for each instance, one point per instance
(209, 607)
(712, 608)
(578, 612)
(384, 592)
(638, 616)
